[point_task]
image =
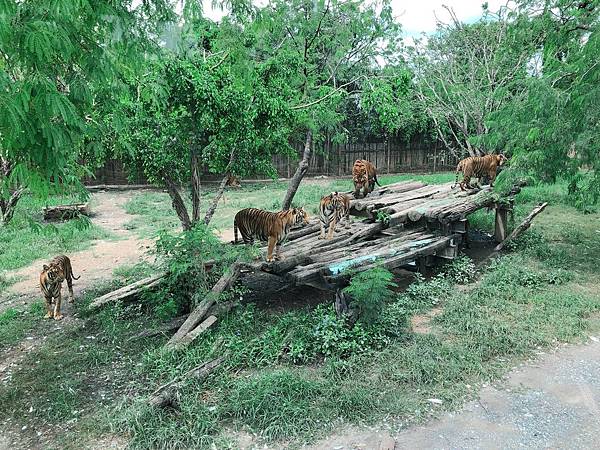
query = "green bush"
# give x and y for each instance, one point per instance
(183, 256)
(370, 290)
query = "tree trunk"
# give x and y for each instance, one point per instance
(215, 203)
(177, 203)
(7, 207)
(300, 172)
(195, 166)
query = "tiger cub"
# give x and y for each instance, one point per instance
(272, 227)
(332, 209)
(364, 176)
(478, 166)
(51, 278)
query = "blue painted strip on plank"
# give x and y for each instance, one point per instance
(338, 268)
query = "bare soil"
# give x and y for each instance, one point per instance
(94, 264)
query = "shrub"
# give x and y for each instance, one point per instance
(182, 256)
(369, 291)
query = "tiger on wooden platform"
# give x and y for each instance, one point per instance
(272, 227)
(51, 278)
(478, 166)
(332, 209)
(364, 176)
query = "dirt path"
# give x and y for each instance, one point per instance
(551, 403)
(96, 263)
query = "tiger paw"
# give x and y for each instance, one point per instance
(58, 317)
(71, 300)
(321, 237)
(49, 315)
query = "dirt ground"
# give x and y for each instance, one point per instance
(550, 403)
(96, 263)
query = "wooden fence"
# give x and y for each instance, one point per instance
(328, 159)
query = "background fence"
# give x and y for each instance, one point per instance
(328, 159)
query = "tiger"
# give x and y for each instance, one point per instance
(272, 227)
(478, 166)
(51, 278)
(364, 176)
(333, 208)
(233, 181)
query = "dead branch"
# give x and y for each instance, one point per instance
(522, 226)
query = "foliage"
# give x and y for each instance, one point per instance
(369, 291)
(552, 128)
(56, 57)
(468, 71)
(183, 256)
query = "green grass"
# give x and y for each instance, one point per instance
(27, 231)
(292, 376)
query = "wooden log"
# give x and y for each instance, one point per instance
(163, 329)
(128, 292)
(189, 338)
(165, 395)
(65, 212)
(198, 314)
(522, 226)
(390, 262)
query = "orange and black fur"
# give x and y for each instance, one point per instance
(51, 278)
(272, 227)
(332, 209)
(364, 176)
(478, 166)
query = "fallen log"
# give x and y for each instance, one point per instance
(128, 292)
(133, 290)
(165, 395)
(198, 314)
(65, 212)
(522, 226)
(188, 338)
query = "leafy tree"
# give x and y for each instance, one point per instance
(205, 104)
(553, 129)
(468, 71)
(54, 54)
(328, 46)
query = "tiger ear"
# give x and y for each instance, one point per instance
(45, 268)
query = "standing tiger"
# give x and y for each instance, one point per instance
(364, 176)
(478, 166)
(272, 227)
(332, 209)
(51, 278)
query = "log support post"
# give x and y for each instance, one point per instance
(501, 223)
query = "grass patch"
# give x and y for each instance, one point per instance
(27, 230)
(154, 212)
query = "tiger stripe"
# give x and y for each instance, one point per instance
(273, 227)
(478, 166)
(364, 176)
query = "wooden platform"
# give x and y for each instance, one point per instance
(395, 225)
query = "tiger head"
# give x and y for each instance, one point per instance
(501, 159)
(359, 178)
(53, 272)
(299, 216)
